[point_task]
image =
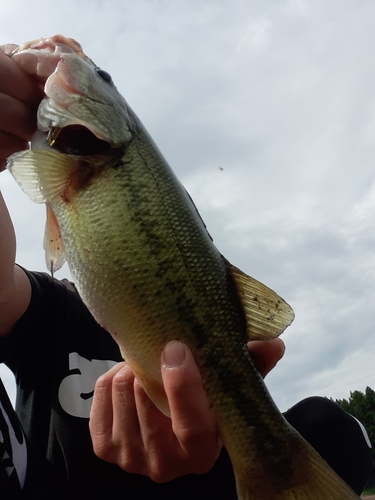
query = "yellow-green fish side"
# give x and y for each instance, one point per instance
(156, 276)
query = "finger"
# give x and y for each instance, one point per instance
(8, 48)
(162, 450)
(193, 420)
(102, 420)
(125, 447)
(9, 144)
(17, 118)
(101, 415)
(18, 84)
(266, 355)
(151, 419)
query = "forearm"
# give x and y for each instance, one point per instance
(15, 290)
(7, 250)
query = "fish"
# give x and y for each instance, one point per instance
(147, 268)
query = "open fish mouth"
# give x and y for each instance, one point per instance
(75, 140)
(82, 112)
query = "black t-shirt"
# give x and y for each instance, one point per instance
(57, 351)
(13, 450)
(24, 473)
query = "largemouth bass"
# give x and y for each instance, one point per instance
(147, 269)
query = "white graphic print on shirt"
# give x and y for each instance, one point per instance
(77, 389)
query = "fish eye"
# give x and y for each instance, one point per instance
(104, 75)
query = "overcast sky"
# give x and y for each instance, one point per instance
(266, 112)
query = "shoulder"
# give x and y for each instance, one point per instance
(14, 298)
(51, 296)
(55, 315)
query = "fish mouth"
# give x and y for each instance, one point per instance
(76, 140)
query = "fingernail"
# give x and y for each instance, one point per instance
(173, 354)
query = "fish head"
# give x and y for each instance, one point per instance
(79, 97)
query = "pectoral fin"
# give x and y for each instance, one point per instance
(266, 312)
(53, 242)
(42, 175)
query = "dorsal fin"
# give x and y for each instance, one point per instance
(267, 314)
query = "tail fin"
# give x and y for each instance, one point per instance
(321, 483)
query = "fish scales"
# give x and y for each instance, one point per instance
(149, 272)
(185, 281)
(168, 303)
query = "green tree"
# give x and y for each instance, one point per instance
(362, 406)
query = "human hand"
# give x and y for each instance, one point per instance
(127, 429)
(20, 95)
